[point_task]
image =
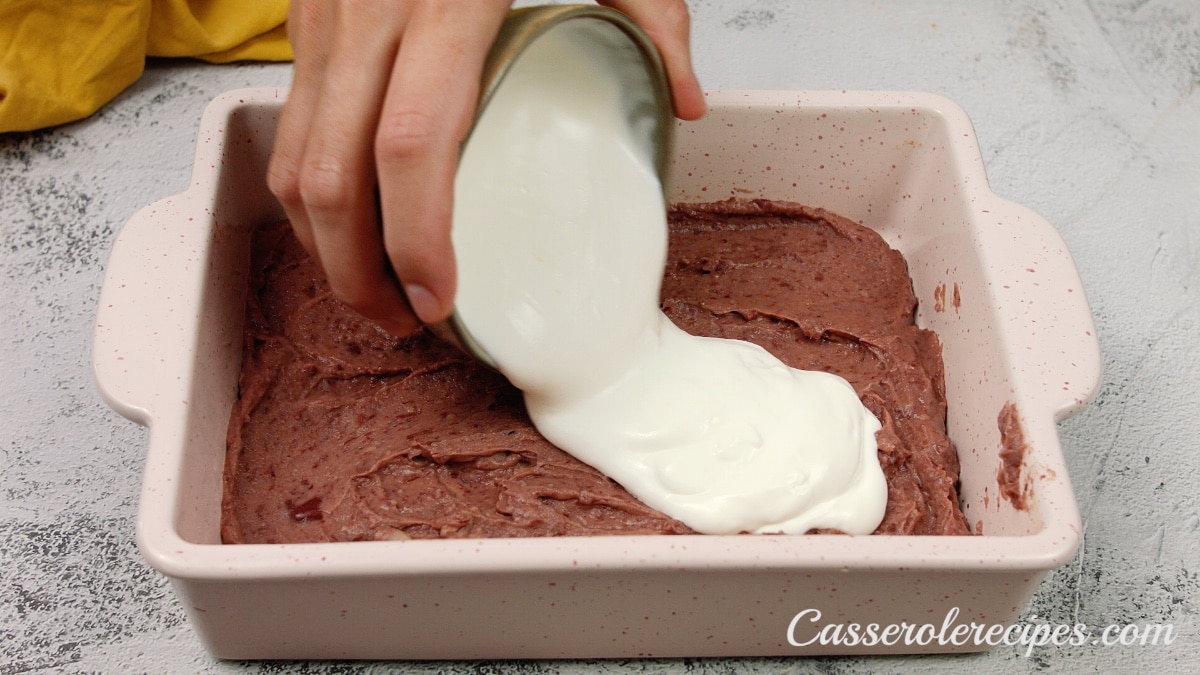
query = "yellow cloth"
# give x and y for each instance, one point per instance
(60, 60)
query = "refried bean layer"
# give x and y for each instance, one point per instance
(342, 432)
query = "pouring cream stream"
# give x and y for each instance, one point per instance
(560, 235)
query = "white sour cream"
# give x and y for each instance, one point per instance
(561, 238)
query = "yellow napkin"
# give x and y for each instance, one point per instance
(60, 60)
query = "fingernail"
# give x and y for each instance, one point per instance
(424, 303)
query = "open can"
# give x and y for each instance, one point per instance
(620, 48)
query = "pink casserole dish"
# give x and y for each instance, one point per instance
(994, 279)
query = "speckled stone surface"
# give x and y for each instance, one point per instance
(1086, 111)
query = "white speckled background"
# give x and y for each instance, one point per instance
(1088, 111)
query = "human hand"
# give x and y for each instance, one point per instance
(383, 95)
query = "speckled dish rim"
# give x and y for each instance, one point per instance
(148, 365)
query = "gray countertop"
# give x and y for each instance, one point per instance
(1087, 111)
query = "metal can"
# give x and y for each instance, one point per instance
(634, 58)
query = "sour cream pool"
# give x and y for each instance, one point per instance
(560, 235)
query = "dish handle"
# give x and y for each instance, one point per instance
(1048, 322)
(147, 304)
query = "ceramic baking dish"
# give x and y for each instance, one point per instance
(993, 278)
